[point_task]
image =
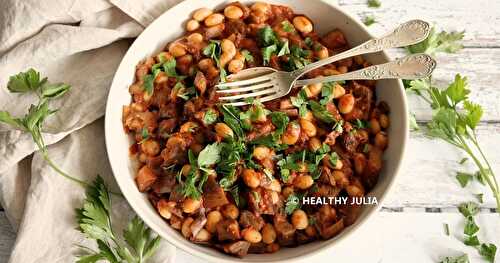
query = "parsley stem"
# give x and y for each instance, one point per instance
(493, 185)
(60, 172)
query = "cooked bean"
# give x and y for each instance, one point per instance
(303, 182)
(150, 147)
(165, 208)
(384, 121)
(186, 227)
(190, 205)
(314, 144)
(321, 52)
(284, 103)
(213, 218)
(261, 7)
(308, 116)
(214, 19)
(292, 133)
(203, 236)
(302, 24)
(189, 126)
(346, 103)
(342, 69)
(233, 12)
(354, 190)
(340, 178)
(311, 231)
(230, 211)
(299, 219)
(308, 127)
(261, 152)
(381, 140)
(374, 126)
(235, 65)
(338, 91)
(268, 234)
(205, 64)
(186, 169)
(177, 50)
(359, 162)
(275, 186)
(201, 14)
(145, 178)
(214, 31)
(223, 130)
(195, 38)
(251, 235)
(287, 191)
(192, 25)
(251, 178)
(313, 90)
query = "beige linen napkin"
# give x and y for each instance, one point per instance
(80, 43)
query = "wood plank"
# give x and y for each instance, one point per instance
(481, 67)
(398, 237)
(7, 238)
(479, 19)
(427, 178)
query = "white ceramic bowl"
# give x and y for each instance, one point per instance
(169, 26)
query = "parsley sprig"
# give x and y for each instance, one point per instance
(94, 220)
(32, 122)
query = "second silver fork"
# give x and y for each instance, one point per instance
(277, 84)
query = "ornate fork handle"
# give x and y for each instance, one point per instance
(408, 33)
(415, 66)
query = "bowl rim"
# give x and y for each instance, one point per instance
(191, 249)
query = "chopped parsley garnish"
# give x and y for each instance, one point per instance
(374, 3)
(148, 84)
(214, 51)
(463, 178)
(210, 117)
(287, 26)
(247, 55)
(319, 111)
(293, 202)
(369, 20)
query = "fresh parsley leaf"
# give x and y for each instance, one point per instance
(448, 42)
(309, 42)
(235, 193)
(148, 84)
(413, 122)
(479, 198)
(5, 117)
(458, 90)
(231, 118)
(474, 112)
(210, 117)
(26, 81)
(470, 226)
(284, 50)
(361, 124)
(55, 90)
(338, 126)
(285, 175)
(463, 160)
(468, 209)
(267, 52)
(320, 112)
(463, 178)
(280, 120)
(374, 3)
(471, 241)
(267, 36)
(169, 67)
(292, 203)
(95, 222)
(488, 252)
(334, 158)
(139, 237)
(287, 26)
(247, 55)
(460, 259)
(369, 20)
(210, 155)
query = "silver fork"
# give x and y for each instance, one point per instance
(277, 84)
(414, 66)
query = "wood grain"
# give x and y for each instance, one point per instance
(427, 178)
(479, 19)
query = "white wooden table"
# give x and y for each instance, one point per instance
(410, 226)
